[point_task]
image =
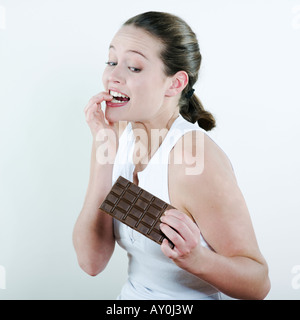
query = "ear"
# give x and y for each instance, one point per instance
(178, 82)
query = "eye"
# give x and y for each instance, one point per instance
(111, 63)
(133, 69)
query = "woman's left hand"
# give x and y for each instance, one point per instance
(185, 235)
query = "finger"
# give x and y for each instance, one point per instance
(167, 251)
(183, 217)
(179, 225)
(100, 97)
(173, 236)
(90, 112)
(187, 229)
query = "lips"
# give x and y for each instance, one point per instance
(119, 99)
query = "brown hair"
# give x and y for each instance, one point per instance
(181, 52)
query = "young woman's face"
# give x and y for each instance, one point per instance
(135, 71)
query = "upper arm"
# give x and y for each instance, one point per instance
(216, 203)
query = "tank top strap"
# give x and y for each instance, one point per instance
(179, 128)
(123, 165)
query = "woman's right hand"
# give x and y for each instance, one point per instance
(104, 132)
(94, 115)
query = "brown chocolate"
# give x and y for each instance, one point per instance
(137, 208)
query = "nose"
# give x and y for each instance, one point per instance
(116, 75)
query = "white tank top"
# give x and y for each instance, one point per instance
(151, 275)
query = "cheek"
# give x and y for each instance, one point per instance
(147, 96)
(105, 78)
(151, 87)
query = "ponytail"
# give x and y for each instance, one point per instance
(192, 110)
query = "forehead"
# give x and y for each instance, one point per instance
(130, 38)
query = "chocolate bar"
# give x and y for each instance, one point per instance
(137, 208)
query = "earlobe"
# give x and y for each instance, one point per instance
(179, 82)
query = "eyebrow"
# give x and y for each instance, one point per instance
(132, 51)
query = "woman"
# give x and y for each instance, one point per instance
(153, 64)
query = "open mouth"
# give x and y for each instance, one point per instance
(118, 97)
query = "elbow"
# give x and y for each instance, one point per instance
(93, 264)
(90, 271)
(265, 289)
(256, 287)
(91, 268)
(92, 260)
(266, 283)
(264, 286)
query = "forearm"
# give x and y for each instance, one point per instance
(242, 274)
(238, 277)
(93, 232)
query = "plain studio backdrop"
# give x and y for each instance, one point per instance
(52, 55)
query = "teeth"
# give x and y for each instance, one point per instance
(116, 101)
(117, 94)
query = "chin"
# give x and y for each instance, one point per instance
(113, 115)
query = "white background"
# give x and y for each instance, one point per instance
(52, 56)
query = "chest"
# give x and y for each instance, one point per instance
(173, 183)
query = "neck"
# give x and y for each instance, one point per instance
(150, 134)
(159, 122)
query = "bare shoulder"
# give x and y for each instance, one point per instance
(197, 159)
(196, 151)
(210, 194)
(194, 162)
